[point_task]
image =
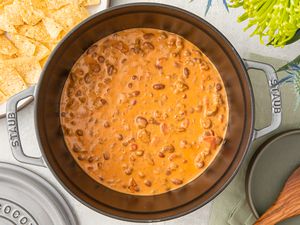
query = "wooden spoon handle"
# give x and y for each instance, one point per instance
(285, 207)
(287, 204)
(271, 217)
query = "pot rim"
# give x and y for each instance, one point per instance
(247, 142)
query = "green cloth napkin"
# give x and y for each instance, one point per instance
(231, 207)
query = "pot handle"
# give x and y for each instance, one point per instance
(274, 93)
(13, 129)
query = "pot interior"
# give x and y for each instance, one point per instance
(170, 204)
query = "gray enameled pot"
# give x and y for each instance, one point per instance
(195, 194)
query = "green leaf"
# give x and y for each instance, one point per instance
(296, 61)
(225, 4)
(295, 38)
(208, 6)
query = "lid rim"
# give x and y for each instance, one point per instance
(30, 181)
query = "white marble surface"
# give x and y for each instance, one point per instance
(227, 24)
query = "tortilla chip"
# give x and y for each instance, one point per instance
(60, 36)
(40, 4)
(29, 13)
(31, 72)
(89, 2)
(5, 2)
(10, 80)
(24, 45)
(6, 46)
(37, 32)
(31, 16)
(5, 57)
(5, 25)
(52, 27)
(41, 51)
(28, 68)
(75, 15)
(43, 61)
(12, 14)
(3, 97)
(51, 45)
(57, 4)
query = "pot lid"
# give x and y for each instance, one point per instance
(269, 169)
(28, 199)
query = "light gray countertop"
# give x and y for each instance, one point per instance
(219, 17)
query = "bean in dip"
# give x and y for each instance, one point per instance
(144, 111)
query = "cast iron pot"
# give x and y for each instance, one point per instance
(56, 157)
